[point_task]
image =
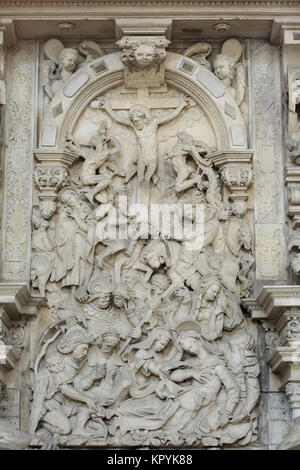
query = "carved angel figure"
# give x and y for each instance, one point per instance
(62, 62)
(231, 72)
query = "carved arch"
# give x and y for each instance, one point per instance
(108, 72)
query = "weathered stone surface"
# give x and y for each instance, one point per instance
(146, 295)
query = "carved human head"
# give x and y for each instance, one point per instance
(159, 283)
(121, 294)
(189, 342)
(224, 212)
(239, 208)
(69, 197)
(140, 116)
(68, 59)
(144, 55)
(153, 259)
(55, 362)
(160, 338)
(100, 290)
(224, 67)
(161, 342)
(210, 288)
(155, 254)
(76, 342)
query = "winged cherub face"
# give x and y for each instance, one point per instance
(144, 55)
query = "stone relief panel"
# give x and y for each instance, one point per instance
(268, 163)
(143, 256)
(18, 162)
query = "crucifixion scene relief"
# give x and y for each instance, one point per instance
(149, 291)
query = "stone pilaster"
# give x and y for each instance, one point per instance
(269, 211)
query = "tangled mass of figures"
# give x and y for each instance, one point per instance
(146, 343)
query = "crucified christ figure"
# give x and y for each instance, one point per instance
(145, 128)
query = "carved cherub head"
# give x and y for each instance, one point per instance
(143, 53)
(225, 63)
(68, 59)
(224, 67)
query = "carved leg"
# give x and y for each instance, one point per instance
(151, 169)
(82, 417)
(57, 422)
(141, 171)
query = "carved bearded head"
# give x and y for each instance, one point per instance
(140, 116)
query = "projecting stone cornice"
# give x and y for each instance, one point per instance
(224, 4)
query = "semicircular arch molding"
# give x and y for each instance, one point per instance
(101, 75)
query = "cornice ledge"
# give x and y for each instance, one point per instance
(282, 24)
(16, 299)
(272, 301)
(224, 3)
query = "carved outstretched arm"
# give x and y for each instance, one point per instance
(70, 392)
(101, 103)
(186, 102)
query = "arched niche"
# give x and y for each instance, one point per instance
(106, 73)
